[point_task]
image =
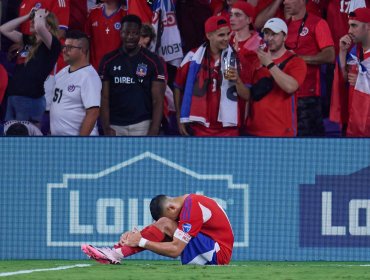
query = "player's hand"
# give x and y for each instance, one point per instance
(345, 43)
(352, 78)
(132, 239)
(125, 235)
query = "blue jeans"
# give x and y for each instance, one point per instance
(23, 108)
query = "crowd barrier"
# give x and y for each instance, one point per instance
(287, 199)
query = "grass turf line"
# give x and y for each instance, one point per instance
(134, 269)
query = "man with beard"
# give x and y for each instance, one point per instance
(275, 114)
(355, 66)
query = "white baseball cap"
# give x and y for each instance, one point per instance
(276, 25)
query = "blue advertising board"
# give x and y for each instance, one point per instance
(287, 199)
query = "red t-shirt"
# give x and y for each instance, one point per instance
(314, 37)
(275, 114)
(60, 8)
(201, 214)
(102, 28)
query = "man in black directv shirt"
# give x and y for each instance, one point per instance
(133, 86)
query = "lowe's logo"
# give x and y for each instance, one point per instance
(335, 212)
(97, 207)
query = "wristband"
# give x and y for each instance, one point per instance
(269, 66)
(142, 242)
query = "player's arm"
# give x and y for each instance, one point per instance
(158, 89)
(89, 121)
(171, 249)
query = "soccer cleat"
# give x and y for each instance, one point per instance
(104, 255)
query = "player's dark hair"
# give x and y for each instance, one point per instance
(132, 19)
(81, 36)
(156, 206)
(17, 129)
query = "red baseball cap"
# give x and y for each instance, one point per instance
(360, 14)
(215, 23)
(247, 8)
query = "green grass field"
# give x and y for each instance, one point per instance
(132, 269)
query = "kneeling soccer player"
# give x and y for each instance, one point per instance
(191, 225)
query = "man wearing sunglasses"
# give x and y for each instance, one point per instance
(76, 102)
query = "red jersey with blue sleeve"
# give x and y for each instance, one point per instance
(201, 214)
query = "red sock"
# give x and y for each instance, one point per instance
(151, 233)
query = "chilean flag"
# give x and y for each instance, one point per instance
(359, 113)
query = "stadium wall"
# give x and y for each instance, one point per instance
(287, 199)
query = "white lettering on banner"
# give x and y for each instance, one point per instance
(102, 206)
(133, 217)
(171, 49)
(354, 208)
(74, 215)
(123, 80)
(128, 212)
(355, 228)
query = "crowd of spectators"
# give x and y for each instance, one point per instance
(267, 68)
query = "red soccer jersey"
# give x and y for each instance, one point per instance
(201, 214)
(59, 7)
(275, 114)
(104, 32)
(314, 36)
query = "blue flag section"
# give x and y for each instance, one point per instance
(287, 199)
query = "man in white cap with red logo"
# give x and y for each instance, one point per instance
(275, 114)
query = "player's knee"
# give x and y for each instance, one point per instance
(166, 225)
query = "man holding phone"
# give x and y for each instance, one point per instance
(275, 114)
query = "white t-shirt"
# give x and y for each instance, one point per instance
(74, 93)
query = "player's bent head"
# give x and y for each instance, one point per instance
(81, 37)
(157, 206)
